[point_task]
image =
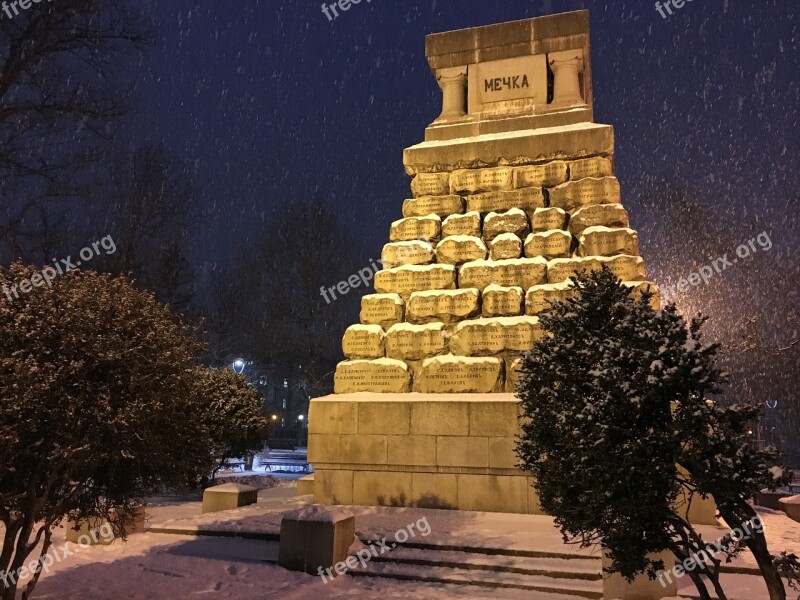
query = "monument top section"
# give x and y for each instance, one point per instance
(510, 76)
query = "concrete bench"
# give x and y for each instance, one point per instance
(791, 506)
(315, 537)
(228, 496)
(97, 531)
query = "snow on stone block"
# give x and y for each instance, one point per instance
(499, 301)
(416, 228)
(415, 252)
(405, 341)
(585, 192)
(315, 537)
(599, 240)
(540, 297)
(520, 272)
(446, 306)
(610, 215)
(505, 246)
(513, 221)
(430, 184)
(549, 244)
(441, 206)
(546, 219)
(382, 309)
(458, 249)
(596, 166)
(491, 336)
(363, 341)
(450, 374)
(625, 267)
(415, 278)
(228, 496)
(527, 199)
(380, 376)
(546, 175)
(466, 224)
(640, 287)
(473, 181)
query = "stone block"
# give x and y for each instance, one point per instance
(376, 488)
(434, 490)
(416, 228)
(228, 496)
(409, 342)
(546, 219)
(305, 485)
(791, 506)
(466, 224)
(534, 506)
(616, 587)
(527, 199)
(456, 451)
(473, 181)
(430, 184)
(495, 418)
(639, 287)
(493, 493)
(363, 341)
(596, 166)
(513, 221)
(539, 298)
(441, 206)
(459, 374)
(315, 537)
(383, 310)
(446, 306)
(323, 448)
(502, 453)
(376, 418)
(327, 416)
(513, 366)
(415, 252)
(573, 195)
(491, 336)
(605, 241)
(549, 244)
(382, 375)
(98, 531)
(499, 301)
(625, 267)
(412, 450)
(333, 487)
(438, 418)
(546, 175)
(363, 450)
(458, 249)
(415, 278)
(520, 272)
(610, 215)
(505, 246)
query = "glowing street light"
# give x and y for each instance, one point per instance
(238, 366)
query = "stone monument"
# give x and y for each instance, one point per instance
(513, 193)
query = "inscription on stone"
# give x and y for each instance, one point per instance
(605, 241)
(505, 246)
(585, 192)
(527, 199)
(447, 306)
(540, 297)
(546, 219)
(511, 221)
(549, 244)
(459, 374)
(610, 215)
(520, 272)
(406, 253)
(466, 224)
(547, 175)
(472, 181)
(499, 301)
(458, 249)
(413, 278)
(416, 228)
(509, 79)
(441, 206)
(415, 342)
(487, 337)
(430, 184)
(597, 166)
(363, 341)
(382, 376)
(381, 309)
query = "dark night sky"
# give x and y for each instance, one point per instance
(269, 100)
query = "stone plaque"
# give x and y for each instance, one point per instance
(597, 166)
(519, 78)
(405, 341)
(466, 224)
(441, 206)
(430, 184)
(550, 244)
(610, 215)
(512, 221)
(625, 267)
(499, 301)
(527, 199)
(458, 249)
(416, 228)
(407, 253)
(539, 297)
(449, 374)
(605, 241)
(473, 181)
(382, 309)
(363, 341)
(546, 219)
(586, 192)
(547, 175)
(447, 306)
(505, 246)
(415, 278)
(520, 272)
(381, 376)
(513, 367)
(639, 287)
(491, 336)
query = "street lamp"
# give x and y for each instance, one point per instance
(238, 366)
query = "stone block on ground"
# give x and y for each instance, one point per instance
(520, 272)
(382, 309)
(573, 195)
(405, 341)
(499, 301)
(492, 336)
(459, 374)
(458, 249)
(606, 241)
(415, 278)
(447, 306)
(382, 375)
(505, 246)
(610, 215)
(430, 184)
(596, 166)
(527, 199)
(315, 537)
(228, 496)
(441, 206)
(546, 219)
(427, 228)
(305, 485)
(473, 181)
(363, 341)
(415, 252)
(616, 587)
(791, 506)
(466, 224)
(513, 221)
(546, 175)
(539, 297)
(549, 244)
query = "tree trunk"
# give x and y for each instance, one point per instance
(26, 594)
